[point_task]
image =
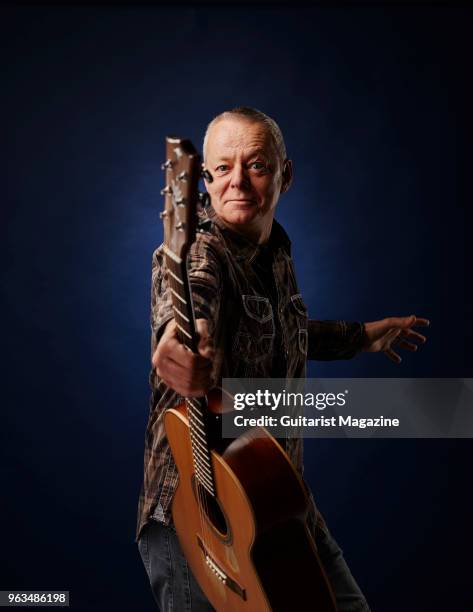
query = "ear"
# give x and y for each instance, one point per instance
(287, 175)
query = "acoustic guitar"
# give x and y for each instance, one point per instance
(240, 509)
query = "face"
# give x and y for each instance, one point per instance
(248, 176)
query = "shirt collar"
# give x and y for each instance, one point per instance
(243, 248)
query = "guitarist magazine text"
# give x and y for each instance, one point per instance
(373, 100)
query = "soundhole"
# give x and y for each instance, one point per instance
(212, 509)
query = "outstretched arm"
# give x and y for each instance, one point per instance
(329, 340)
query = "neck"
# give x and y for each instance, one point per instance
(258, 233)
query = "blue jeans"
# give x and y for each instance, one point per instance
(176, 590)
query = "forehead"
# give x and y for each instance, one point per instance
(232, 136)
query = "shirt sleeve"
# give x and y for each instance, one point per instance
(329, 340)
(205, 276)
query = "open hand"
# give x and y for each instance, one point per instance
(395, 332)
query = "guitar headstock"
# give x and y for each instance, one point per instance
(182, 167)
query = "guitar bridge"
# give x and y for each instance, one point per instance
(219, 573)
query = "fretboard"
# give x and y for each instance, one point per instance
(197, 410)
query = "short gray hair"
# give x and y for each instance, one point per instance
(255, 116)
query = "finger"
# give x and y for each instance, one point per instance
(178, 353)
(170, 368)
(205, 345)
(401, 321)
(410, 333)
(406, 345)
(183, 380)
(393, 356)
(391, 337)
(185, 390)
(422, 322)
(170, 329)
(392, 334)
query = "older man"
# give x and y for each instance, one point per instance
(253, 323)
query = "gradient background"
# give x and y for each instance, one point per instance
(372, 102)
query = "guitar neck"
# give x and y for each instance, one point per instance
(186, 331)
(180, 216)
(181, 300)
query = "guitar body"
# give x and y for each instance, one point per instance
(250, 549)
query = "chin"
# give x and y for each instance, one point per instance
(240, 217)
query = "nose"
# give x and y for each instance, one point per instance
(239, 178)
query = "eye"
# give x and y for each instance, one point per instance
(222, 168)
(258, 165)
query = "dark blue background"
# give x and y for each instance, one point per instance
(372, 104)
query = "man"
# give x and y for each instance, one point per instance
(252, 323)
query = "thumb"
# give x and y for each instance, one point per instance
(205, 345)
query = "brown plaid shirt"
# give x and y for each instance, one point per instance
(248, 294)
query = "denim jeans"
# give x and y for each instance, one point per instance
(176, 590)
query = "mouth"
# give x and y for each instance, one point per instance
(244, 202)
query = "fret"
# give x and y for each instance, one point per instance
(198, 425)
(201, 446)
(175, 277)
(196, 421)
(203, 465)
(202, 461)
(178, 270)
(203, 478)
(196, 408)
(185, 332)
(201, 437)
(200, 454)
(183, 316)
(198, 428)
(208, 488)
(204, 469)
(178, 296)
(196, 418)
(172, 255)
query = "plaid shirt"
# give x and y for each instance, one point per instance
(257, 318)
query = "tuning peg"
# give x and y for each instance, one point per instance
(167, 165)
(163, 214)
(166, 191)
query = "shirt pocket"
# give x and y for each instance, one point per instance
(255, 336)
(299, 322)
